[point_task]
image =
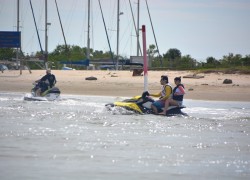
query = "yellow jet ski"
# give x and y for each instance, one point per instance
(142, 105)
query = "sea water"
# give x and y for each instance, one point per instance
(77, 138)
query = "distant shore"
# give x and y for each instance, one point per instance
(123, 84)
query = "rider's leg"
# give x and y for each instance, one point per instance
(38, 92)
(157, 105)
(169, 102)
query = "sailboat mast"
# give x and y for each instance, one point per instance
(88, 39)
(18, 31)
(138, 24)
(46, 35)
(118, 29)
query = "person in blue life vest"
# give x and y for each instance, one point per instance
(164, 94)
(46, 82)
(177, 97)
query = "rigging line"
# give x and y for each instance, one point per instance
(126, 43)
(65, 42)
(61, 26)
(133, 17)
(111, 20)
(70, 16)
(41, 15)
(36, 27)
(24, 11)
(153, 32)
(13, 23)
(111, 54)
(82, 39)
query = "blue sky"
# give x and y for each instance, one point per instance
(197, 28)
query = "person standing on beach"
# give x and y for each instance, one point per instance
(48, 80)
(178, 94)
(164, 95)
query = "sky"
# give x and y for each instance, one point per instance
(201, 29)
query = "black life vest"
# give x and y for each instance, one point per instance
(178, 97)
(50, 78)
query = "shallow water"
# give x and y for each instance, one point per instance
(77, 138)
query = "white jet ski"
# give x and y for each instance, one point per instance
(48, 95)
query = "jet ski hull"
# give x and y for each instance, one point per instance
(49, 95)
(143, 106)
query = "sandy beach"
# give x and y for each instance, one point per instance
(123, 84)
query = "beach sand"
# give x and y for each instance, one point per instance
(123, 84)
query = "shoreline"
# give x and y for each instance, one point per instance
(123, 84)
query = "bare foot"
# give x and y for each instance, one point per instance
(162, 113)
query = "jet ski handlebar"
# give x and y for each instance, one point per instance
(145, 94)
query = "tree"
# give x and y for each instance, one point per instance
(246, 60)
(172, 54)
(7, 53)
(185, 62)
(232, 60)
(211, 62)
(152, 51)
(100, 54)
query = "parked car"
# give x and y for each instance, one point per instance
(3, 67)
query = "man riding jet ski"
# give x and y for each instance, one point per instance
(142, 105)
(44, 88)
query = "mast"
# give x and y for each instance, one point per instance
(18, 31)
(138, 24)
(118, 31)
(88, 39)
(46, 36)
(137, 35)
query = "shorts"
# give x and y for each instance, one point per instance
(179, 103)
(159, 104)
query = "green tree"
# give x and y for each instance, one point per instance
(100, 54)
(246, 60)
(173, 54)
(185, 62)
(231, 60)
(152, 51)
(211, 62)
(7, 53)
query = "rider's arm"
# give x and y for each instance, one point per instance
(55, 79)
(181, 91)
(155, 95)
